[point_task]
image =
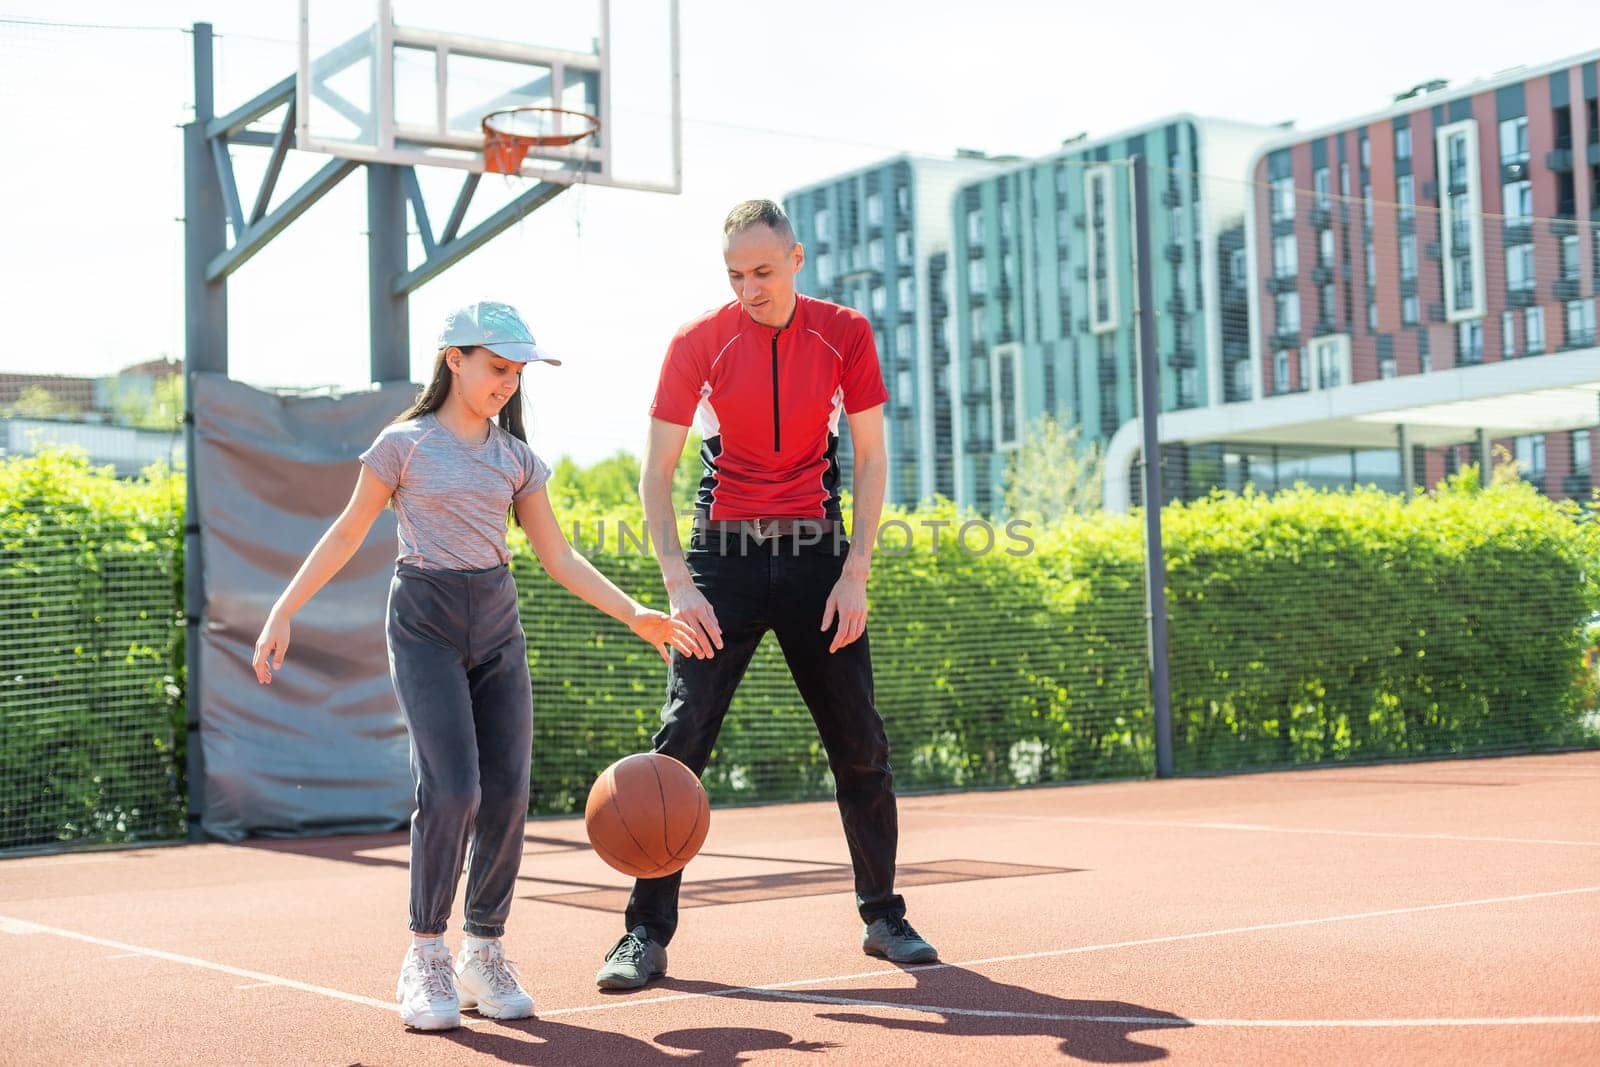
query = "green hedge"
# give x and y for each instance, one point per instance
(1305, 628)
(91, 647)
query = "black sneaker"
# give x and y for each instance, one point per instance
(632, 962)
(894, 940)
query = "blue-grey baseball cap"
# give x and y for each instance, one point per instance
(495, 326)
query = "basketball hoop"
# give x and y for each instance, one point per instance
(509, 132)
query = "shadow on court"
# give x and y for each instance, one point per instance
(961, 1003)
(536, 1041)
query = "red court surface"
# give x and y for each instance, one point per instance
(1443, 912)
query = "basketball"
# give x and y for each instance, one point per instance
(647, 815)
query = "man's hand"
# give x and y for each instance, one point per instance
(664, 632)
(848, 601)
(691, 606)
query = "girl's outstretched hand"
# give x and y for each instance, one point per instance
(270, 648)
(665, 631)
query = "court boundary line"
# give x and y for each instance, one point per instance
(1260, 828)
(789, 991)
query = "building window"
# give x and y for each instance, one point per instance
(1344, 179)
(1238, 267)
(1288, 313)
(1514, 141)
(1386, 367)
(1372, 316)
(1006, 375)
(1580, 451)
(1519, 268)
(1330, 360)
(1366, 152)
(977, 277)
(1280, 371)
(823, 222)
(1508, 334)
(1469, 341)
(1402, 143)
(874, 209)
(1406, 195)
(1320, 182)
(1517, 201)
(1284, 263)
(1282, 199)
(1408, 256)
(1102, 228)
(1460, 222)
(1410, 310)
(880, 300)
(904, 343)
(1530, 456)
(902, 246)
(1533, 329)
(824, 263)
(975, 228)
(906, 293)
(1326, 303)
(902, 199)
(1372, 265)
(1366, 204)
(1570, 256)
(875, 253)
(1580, 323)
(1325, 248)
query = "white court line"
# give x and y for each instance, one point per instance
(113, 956)
(11, 925)
(774, 987)
(786, 990)
(255, 985)
(1260, 828)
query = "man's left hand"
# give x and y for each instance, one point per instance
(847, 601)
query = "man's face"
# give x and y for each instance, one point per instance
(761, 269)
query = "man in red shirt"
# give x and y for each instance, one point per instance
(769, 376)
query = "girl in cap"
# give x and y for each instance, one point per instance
(452, 467)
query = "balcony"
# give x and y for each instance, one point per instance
(1559, 158)
(1578, 485)
(1283, 283)
(1522, 296)
(1513, 170)
(1174, 251)
(1285, 340)
(1182, 356)
(1565, 288)
(1322, 273)
(1405, 224)
(1517, 232)
(979, 445)
(1171, 197)
(1283, 227)
(1176, 306)
(1319, 217)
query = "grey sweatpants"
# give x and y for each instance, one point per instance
(459, 661)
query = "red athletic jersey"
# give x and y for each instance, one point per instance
(769, 403)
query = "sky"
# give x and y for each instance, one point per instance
(775, 97)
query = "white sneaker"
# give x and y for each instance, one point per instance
(427, 990)
(488, 982)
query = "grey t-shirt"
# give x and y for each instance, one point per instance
(452, 498)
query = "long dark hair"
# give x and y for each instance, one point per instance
(433, 396)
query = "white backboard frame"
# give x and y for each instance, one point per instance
(438, 145)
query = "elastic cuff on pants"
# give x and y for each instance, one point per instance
(483, 931)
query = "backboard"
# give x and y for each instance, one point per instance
(409, 82)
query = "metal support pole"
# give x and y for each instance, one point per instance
(1485, 459)
(1408, 472)
(205, 349)
(386, 261)
(1149, 407)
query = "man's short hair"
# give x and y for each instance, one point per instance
(759, 213)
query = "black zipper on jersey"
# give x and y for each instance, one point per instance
(775, 438)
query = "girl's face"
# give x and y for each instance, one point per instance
(484, 382)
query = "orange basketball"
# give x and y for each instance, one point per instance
(647, 815)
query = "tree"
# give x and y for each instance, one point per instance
(37, 402)
(1054, 474)
(159, 407)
